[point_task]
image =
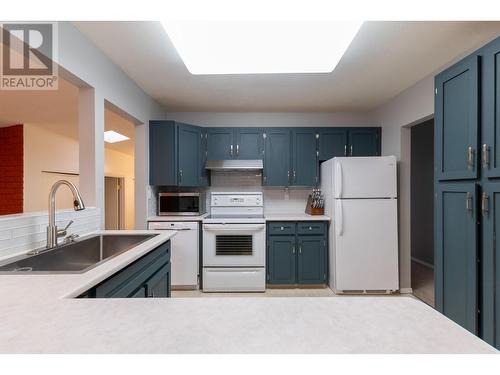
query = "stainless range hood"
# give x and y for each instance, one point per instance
(234, 165)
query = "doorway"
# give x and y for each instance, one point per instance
(422, 211)
(114, 203)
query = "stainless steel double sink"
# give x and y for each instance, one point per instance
(75, 257)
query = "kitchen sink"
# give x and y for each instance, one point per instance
(76, 257)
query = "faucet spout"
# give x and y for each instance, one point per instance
(78, 205)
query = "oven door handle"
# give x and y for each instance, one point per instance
(178, 229)
(228, 227)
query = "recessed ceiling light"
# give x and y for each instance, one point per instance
(111, 136)
(250, 47)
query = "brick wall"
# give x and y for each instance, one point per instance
(11, 169)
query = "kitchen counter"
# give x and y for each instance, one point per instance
(38, 314)
(295, 217)
(178, 218)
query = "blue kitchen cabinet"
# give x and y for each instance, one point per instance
(490, 145)
(456, 120)
(304, 157)
(176, 154)
(190, 154)
(332, 142)
(220, 144)
(249, 143)
(205, 175)
(364, 142)
(147, 277)
(163, 169)
(277, 157)
(296, 253)
(311, 259)
(456, 255)
(281, 260)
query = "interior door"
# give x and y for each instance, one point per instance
(112, 203)
(490, 263)
(456, 121)
(490, 145)
(456, 253)
(366, 244)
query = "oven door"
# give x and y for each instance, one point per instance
(234, 245)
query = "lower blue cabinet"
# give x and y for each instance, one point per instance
(296, 256)
(147, 277)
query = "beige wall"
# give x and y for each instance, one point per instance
(45, 149)
(119, 164)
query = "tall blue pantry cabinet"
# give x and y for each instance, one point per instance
(467, 192)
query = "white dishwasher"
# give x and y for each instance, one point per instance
(184, 256)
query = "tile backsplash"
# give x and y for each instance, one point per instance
(276, 200)
(24, 232)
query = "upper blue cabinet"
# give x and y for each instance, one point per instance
(235, 143)
(176, 154)
(304, 157)
(334, 142)
(277, 159)
(456, 121)
(490, 159)
(364, 142)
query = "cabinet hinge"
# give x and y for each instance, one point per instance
(264, 135)
(317, 153)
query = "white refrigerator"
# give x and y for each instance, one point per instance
(361, 198)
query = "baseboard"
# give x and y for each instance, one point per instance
(428, 265)
(406, 291)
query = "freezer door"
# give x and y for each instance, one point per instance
(366, 245)
(365, 177)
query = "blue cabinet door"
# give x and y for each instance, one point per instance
(205, 176)
(162, 153)
(281, 260)
(158, 285)
(490, 264)
(220, 144)
(456, 253)
(189, 155)
(311, 259)
(456, 120)
(490, 147)
(249, 143)
(332, 142)
(277, 157)
(364, 142)
(305, 157)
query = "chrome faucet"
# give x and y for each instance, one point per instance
(52, 232)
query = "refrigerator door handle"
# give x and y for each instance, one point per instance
(340, 223)
(338, 180)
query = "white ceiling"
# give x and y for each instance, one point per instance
(384, 59)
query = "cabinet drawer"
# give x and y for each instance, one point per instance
(311, 227)
(286, 227)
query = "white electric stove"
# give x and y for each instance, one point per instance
(234, 243)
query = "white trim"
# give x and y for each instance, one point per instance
(406, 291)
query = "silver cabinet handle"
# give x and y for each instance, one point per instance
(231, 152)
(237, 150)
(294, 176)
(281, 228)
(485, 152)
(351, 150)
(485, 204)
(288, 176)
(470, 158)
(293, 249)
(468, 202)
(345, 150)
(180, 175)
(300, 248)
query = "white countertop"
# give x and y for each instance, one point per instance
(295, 217)
(178, 218)
(38, 315)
